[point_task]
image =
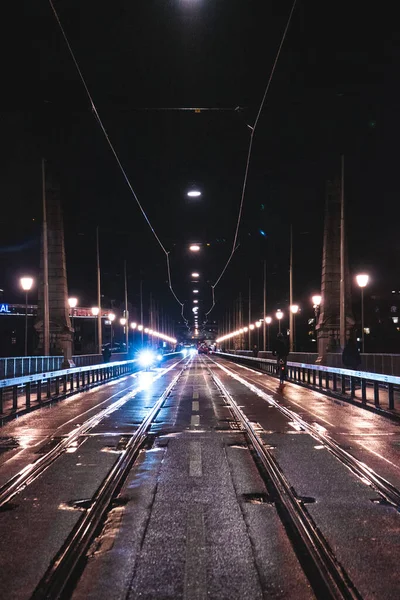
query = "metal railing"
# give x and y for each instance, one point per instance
(19, 366)
(21, 392)
(339, 382)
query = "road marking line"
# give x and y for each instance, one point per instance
(195, 406)
(195, 395)
(195, 464)
(195, 581)
(195, 421)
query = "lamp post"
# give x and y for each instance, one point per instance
(316, 300)
(279, 316)
(111, 318)
(72, 302)
(26, 284)
(95, 313)
(258, 325)
(362, 281)
(268, 321)
(294, 309)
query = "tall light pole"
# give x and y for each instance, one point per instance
(362, 281)
(294, 309)
(26, 284)
(95, 313)
(111, 318)
(316, 300)
(99, 327)
(72, 302)
(268, 321)
(279, 316)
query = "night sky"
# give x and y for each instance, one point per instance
(335, 91)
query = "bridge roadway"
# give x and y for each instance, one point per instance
(196, 516)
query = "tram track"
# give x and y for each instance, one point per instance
(327, 576)
(387, 490)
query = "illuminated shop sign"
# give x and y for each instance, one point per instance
(5, 308)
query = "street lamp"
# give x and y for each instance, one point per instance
(279, 316)
(268, 321)
(294, 309)
(194, 248)
(194, 193)
(72, 302)
(111, 318)
(195, 275)
(26, 284)
(122, 321)
(316, 300)
(362, 281)
(95, 313)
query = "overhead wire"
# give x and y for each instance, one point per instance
(249, 153)
(99, 121)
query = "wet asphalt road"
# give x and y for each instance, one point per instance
(193, 519)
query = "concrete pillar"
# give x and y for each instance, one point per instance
(328, 327)
(60, 322)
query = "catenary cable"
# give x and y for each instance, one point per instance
(99, 121)
(249, 153)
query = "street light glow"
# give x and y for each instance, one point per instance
(122, 321)
(316, 300)
(133, 325)
(26, 283)
(72, 302)
(362, 280)
(268, 320)
(279, 314)
(258, 323)
(294, 308)
(195, 275)
(194, 248)
(111, 317)
(195, 301)
(251, 326)
(140, 327)
(95, 311)
(194, 193)
(195, 291)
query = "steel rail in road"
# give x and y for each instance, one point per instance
(32, 471)
(376, 481)
(61, 573)
(327, 577)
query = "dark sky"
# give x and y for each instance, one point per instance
(335, 91)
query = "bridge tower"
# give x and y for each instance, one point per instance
(60, 330)
(328, 326)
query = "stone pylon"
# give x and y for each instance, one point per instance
(60, 322)
(328, 326)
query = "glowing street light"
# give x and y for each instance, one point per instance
(195, 275)
(268, 321)
(194, 193)
(258, 324)
(133, 325)
(294, 309)
(195, 291)
(279, 316)
(316, 300)
(194, 248)
(362, 281)
(195, 301)
(140, 327)
(122, 321)
(95, 313)
(251, 327)
(111, 318)
(72, 302)
(26, 284)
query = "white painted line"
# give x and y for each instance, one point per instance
(195, 421)
(195, 406)
(195, 465)
(195, 395)
(195, 581)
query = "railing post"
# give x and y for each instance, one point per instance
(334, 382)
(352, 386)
(343, 384)
(376, 393)
(319, 378)
(39, 392)
(363, 391)
(327, 382)
(1, 401)
(65, 383)
(48, 388)
(15, 397)
(314, 377)
(391, 396)
(28, 395)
